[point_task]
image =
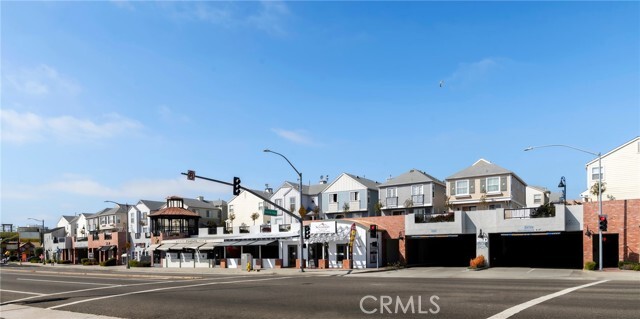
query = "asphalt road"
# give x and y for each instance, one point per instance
(280, 296)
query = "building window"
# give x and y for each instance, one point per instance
(292, 201)
(354, 196)
(231, 208)
(537, 198)
(417, 190)
(493, 184)
(595, 173)
(391, 192)
(333, 198)
(462, 187)
(495, 206)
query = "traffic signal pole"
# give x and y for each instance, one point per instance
(191, 175)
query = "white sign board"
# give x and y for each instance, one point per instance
(323, 227)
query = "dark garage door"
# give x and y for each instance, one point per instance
(536, 250)
(450, 251)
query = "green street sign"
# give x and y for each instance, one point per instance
(270, 212)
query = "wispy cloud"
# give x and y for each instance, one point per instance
(267, 16)
(135, 189)
(40, 81)
(28, 127)
(167, 114)
(468, 73)
(298, 137)
(123, 4)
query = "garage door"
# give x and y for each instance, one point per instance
(448, 251)
(536, 250)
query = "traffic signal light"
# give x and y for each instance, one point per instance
(373, 231)
(236, 186)
(191, 175)
(603, 223)
(307, 232)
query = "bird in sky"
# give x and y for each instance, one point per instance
(442, 83)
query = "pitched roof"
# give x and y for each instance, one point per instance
(69, 219)
(635, 139)
(481, 167)
(174, 211)
(110, 211)
(413, 176)
(152, 204)
(306, 189)
(366, 182)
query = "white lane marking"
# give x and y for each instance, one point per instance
(100, 288)
(515, 309)
(164, 288)
(21, 292)
(67, 282)
(531, 270)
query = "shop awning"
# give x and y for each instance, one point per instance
(262, 242)
(165, 247)
(228, 243)
(193, 245)
(154, 246)
(107, 248)
(208, 246)
(181, 246)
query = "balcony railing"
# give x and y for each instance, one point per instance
(417, 199)
(283, 228)
(212, 230)
(434, 218)
(527, 213)
(392, 202)
(265, 228)
(244, 229)
(354, 205)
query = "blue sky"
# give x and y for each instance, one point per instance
(113, 100)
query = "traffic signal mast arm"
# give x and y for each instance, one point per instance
(298, 218)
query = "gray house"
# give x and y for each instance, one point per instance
(413, 191)
(350, 196)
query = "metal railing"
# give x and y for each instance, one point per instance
(392, 201)
(527, 213)
(417, 199)
(434, 218)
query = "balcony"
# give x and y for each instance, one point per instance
(391, 202)
(354, 205)
(283, 228)
(418, 200)
(333, 208)
(435, 224)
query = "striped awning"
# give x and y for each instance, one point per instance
(208, 246)
(154, 246)
(165, 247)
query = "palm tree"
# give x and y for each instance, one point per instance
(255, 216)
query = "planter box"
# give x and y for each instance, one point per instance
(323, 263)
(298, 263)
(346, 264)
(278, 263)
(223, 263)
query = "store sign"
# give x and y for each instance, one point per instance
(323, 227)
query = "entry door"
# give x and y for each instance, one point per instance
(609, 253)
(293, 252)
(341, 253)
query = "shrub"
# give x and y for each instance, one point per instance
(13, 258)
(133, 263)
(620, 264)
(109, 262)
(34, 260)
(590, 265)
(477, 262)
(64, 262)
(144, 264)
(88, 261)
(636, 267)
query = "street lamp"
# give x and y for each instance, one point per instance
(563, 186)
(41, 238)
(126, 236)
(300, 190)
(599, 155)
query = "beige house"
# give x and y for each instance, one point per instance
(537, 195)
(620, 173)
(485, 185)
(244, 205)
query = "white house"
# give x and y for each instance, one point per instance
(620, 172)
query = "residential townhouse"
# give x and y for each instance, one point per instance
(244, 206)
(414, 191)
(288, 196)
(537, 195)
(80, 238)
(108, 233)
(212, 213)
(350, 196)
(485, 185)
(140, 228)
(620, 173)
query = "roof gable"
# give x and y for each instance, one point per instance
(413, 176)
(481, 167)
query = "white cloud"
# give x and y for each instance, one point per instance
(269, 16)
(123, 4)
(298, 137)
(83, 186)
(27, 127)
(468, 73)
(168, 115)
(42, 80)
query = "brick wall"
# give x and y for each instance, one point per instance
(392, 227)
(623, 218)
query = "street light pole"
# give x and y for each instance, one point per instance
(126, 236)
(300, 209)
(44, 260)
(599, 155)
